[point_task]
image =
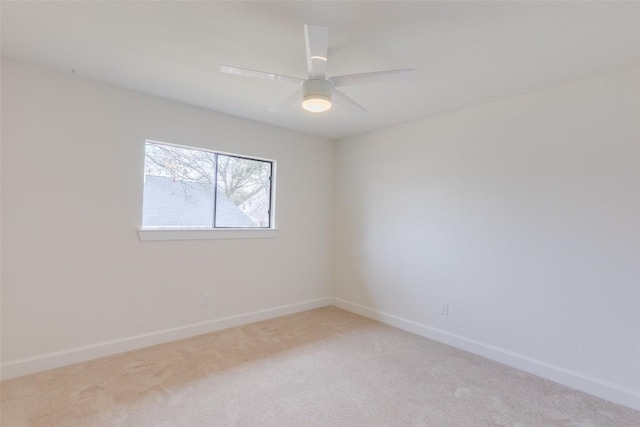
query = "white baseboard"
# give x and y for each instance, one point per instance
(58, 359)
(603, 389)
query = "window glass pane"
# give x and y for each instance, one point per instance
(243, 192)
(178, 187)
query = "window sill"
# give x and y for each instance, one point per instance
(148, 235)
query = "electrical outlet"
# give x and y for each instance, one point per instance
(205, 299)
(444, 309)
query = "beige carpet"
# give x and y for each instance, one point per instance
(323, 367)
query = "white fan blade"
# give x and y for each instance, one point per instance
(373, 77)
(347, 102)
(317, 43)
(287, 102)
(260, 74)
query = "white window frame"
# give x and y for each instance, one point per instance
(146, 234)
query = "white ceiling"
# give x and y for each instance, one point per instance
(465, 53)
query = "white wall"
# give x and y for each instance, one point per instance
(523, 215)
(74, 272)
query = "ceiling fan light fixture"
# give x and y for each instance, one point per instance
(317, 89)
(316, 103)
(316, 95)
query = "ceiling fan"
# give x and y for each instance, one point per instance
(318, 91)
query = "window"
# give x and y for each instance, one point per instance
(192, 189)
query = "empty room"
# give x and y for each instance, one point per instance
(350, 213)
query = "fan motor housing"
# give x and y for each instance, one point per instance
(316, 88)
